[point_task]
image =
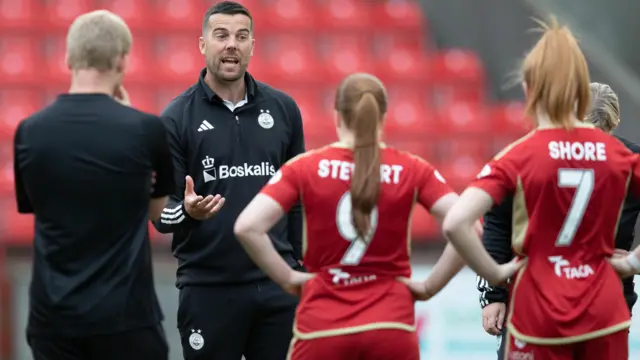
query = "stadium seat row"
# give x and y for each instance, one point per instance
(411, 114)
(269, 15)
(288, 59)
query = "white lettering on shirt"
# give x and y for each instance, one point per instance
(342, 170)
(587, 151)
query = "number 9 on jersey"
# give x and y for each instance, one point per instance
(344, 222)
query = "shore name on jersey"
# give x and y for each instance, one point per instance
(568, 150)
(337, 169)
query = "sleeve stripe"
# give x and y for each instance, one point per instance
(172, 222)
(172, 216)
(173, 210)
(483, 287)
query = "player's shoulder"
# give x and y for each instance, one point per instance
(272, 93)
(403, 157)
(312, 155)
(517, 147)
(176, 107)
(635, 148)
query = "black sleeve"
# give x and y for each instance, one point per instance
(496, 238)
(174, 217)
(296, 147)
(161, 160)
(22, 198)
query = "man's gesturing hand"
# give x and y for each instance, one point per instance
(198, 207)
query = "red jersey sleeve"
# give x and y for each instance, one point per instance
(497, 178)
(431, 184)
(283, 187)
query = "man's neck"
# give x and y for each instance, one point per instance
(231, 91)
(91, 81)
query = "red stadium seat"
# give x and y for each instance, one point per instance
(509, 119)
(317, 121)
(402, 63)
(15, 106)
(135, 13)
(177, 58)
(178, 15)
(293, 59)
(464, 118)
(461, 70)
(284, 16)
(346, 55)
(408, 115)
(54, 59)
(61, 13)
(19, 60)
(419, 147)
(18, 14)
(166, 94)
(345, 15)
(461, 159)
(141, 60)
(144, 98)
(398, 15)
(424, 228)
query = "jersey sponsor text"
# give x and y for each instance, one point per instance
(264, 169)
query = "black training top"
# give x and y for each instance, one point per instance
(232, 152)
(83, 166)
(497, 240)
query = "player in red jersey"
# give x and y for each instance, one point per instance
(357, 198)
(567, 301)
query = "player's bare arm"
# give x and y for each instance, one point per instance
(449, 264)
(251, 228)
(458, 227)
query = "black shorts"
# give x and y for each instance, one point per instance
(224, 322)
(146, 343)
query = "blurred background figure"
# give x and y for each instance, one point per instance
(445, 64)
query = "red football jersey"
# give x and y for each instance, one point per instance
(356, 287)
(568, 190)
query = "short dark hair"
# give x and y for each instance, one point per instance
(227, 8)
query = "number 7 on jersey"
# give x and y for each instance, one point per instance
(583, 180)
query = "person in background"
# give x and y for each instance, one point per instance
(604, 113)
(229, 133)
(93, 171)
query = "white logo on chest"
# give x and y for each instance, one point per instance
(196, 340)
(265, 119)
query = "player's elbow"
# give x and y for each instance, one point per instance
(242, 228)
(452, 224)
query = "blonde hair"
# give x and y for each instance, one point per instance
(605, 109)
(556, 76)
(361, 100)
(96, 40)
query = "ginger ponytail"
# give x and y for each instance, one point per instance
(361, 102)
(365, 182)
(557, 77)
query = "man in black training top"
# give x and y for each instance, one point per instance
(229, 134)
(93, 171)
(605, 114)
